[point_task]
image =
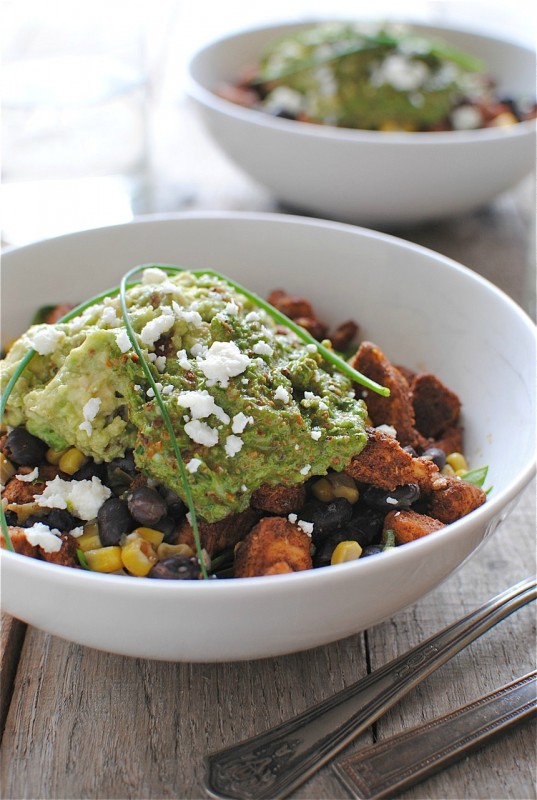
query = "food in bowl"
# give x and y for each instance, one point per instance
(181, 427)
(374, 77)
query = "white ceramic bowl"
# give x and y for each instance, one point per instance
(423, 309)
(368, 177)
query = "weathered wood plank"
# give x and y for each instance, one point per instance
(11, 638)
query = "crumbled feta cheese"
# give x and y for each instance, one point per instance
(89, 412)
(154, 275)
(316, 434)
(153, 330)
(282, 394)
(305, 469)
(160, 363)
(40, 535)
(193, 465)
(151, 392)
(223, 361)
(82, 498)
(311, 348)
(403, 73)
(466, 118)
(201, 433)
(31, 476)
(263, 349)
(167, 389)
(307, 527)
(202, 405)
(392, 501)
(45, 339)
(231, 309)
(292, 518)
(244, 488)
(123, 341)
(109, 317)
(199, 349)
(76, 532)
(233, 445)
(240, 421)
(389, 430)
(252, 316)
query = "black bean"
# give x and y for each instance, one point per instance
(178, 568)
(436, 455)
(176, 507)
(409, 449)
(372, 550)
(11, 519)
(401, 497)
(365, 527)
(91, 470)
(120, 472)
(326, 517)
(113, 520)
(146, 505)
(62, 519)
(168, 526)
(24, 449)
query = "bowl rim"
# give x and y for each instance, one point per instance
(206, 97)
(481, 517)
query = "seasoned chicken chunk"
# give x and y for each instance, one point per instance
(453, 498)
(272, 547)
(218, 536)
(279, 499)
(408, 525)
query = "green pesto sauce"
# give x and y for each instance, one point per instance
(283, 417)
(366, 77)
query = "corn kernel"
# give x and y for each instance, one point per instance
(53, 456)
(72, 460)
(164, 550)
(89, 540)
(346, 551)
(137, 555)
(343, 486)
(151, 535)
(504, 120)
(457, 461)
(323, 490)
(105, 559)
(447, 469)
(7, 470)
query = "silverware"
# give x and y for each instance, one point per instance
(272, 764)
(401, 761)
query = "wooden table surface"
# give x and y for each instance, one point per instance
(78, 723)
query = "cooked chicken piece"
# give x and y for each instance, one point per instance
(218, 536)
(408, 525)
(274, 546)
(436, 407)
(279, 499)
(395, 410)
(344, 335)
(20, 542)
(19, 492)
(66, 556)
(451, 440)
(384, 463)
(300, 310)
(453, 498)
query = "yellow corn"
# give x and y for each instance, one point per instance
(447, 469)
(105, 559)
(343, 486)
(53, 456)
(7, 470)
(137, 555)
(346, 551)
(457, 461)
(72, 460)
(323, 490)
(151, 535)
(89, 540)
(164, 550)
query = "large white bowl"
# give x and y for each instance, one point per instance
(423, 309)
(368, 177)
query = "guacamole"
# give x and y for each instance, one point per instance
(371, 77)
(250, 403)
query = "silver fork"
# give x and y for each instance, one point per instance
(274, 763)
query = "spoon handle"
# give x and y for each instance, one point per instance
(272, 764)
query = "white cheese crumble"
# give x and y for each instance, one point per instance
(40, 535)
(82, 498)
(240, 421)
(282, 394)
(153, 330)
(311, 348)
(389, 430)
(123, 341)
(109, 317)
(262, 349)
(292, 518)
(316, 435)
(307, 527)
(305, 469)
(403, 73)
(466, 118)
(193, 465)
(201, 433)
(391, 501)
(223, 361)
(30, 477)
(45, 339)
(190, 316)
(89, 412)
(233, 445)
(154, 275)
(202, 405)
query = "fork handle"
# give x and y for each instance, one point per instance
(274, 763)
(395, 764)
